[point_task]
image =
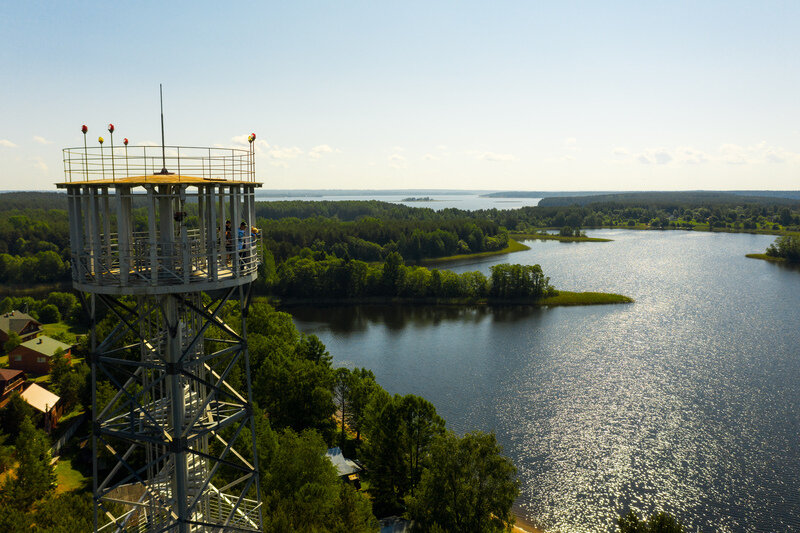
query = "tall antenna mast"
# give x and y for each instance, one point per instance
(163, 149)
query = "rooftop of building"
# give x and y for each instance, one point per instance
(39, 398)
(7, 374)
(15, 321)
(343, 465)
(45, 345)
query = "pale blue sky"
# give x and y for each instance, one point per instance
(473, 95)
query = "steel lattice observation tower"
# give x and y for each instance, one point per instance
(175, 448)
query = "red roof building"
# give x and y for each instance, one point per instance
(10, 381)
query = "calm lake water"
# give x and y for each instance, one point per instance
(469, 202)
(685, 401)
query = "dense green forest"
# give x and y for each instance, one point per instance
(315, 275)
(676, 197)
(34, 235)
(371, 230)
(350, 249)
(399, 439)
(786, 247)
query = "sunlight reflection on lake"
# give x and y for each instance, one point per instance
(686, 401)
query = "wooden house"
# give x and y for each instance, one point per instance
(34, 355)
(20, 323)
(45, 402)
(10, 381)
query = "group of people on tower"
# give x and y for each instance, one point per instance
(243, 241)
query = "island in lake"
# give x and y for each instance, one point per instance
(418, 199)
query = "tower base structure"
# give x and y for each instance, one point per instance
(169, 421)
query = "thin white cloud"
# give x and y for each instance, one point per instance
(571, 144)
(319, 150)
(5, 143)
(41, 165)
(397, 149)
(430, 157)
(277, 152)
(397, 161)
(492, 156)
(729, 154)
(655, 156)
(690, 156)
(147, 143)
(41, 140)
(733, 154)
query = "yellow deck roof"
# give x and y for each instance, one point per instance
(154, 179)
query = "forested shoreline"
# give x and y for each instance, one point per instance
(34, 234)
(326, 251)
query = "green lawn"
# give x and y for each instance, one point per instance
(68, 477)
(766, 257)
(57, 328)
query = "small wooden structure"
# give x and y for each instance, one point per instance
(45, 402)
(10, 381)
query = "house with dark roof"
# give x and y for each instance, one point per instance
(20, 323)
(34, 355)
(10, 381)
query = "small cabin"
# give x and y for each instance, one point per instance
(45, 402)
(10, 381)
(34, 355)
(346, 468)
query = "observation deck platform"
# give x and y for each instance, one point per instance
(156, 179)
(169, 271)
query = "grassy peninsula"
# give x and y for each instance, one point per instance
(557, 299)
(766, 257)
(554, 237)
(584, 298)
(785, 249)
(329, 280)
(513, 246)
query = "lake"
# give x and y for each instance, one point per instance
(685, 401)
(467, 202)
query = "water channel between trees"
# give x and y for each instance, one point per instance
(685, 401)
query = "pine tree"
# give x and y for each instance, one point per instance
(35, 475)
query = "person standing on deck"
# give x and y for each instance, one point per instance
(228, 240)
(242, 244)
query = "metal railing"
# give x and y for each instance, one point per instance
(105, 163)
(148, 261)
